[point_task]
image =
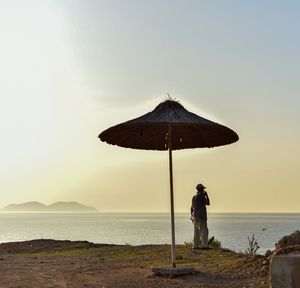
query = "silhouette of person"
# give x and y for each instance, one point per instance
(199, 217)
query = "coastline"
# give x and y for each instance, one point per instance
(137, 229)
(57, 263)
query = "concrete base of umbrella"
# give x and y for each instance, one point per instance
(173, 272)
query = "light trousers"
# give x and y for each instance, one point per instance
(200, 233)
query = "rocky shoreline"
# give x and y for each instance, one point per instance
(63, 263)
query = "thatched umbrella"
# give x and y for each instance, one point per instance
(169, 127)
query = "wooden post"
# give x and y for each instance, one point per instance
(173, 253)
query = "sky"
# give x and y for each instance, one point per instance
(71, 69)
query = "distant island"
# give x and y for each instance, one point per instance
(55, 207)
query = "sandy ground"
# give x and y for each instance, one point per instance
(49, 263)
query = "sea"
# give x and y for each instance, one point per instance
(232, 230)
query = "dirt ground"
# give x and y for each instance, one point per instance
(51, 263)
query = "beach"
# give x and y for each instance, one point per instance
(52, 263)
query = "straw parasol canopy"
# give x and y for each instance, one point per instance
(169, 127)
(150, 131)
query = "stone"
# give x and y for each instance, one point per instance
(266, 262)
(289, 240)
(268, 253)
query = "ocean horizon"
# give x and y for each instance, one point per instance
(232, 229)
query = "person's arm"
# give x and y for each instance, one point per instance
(192, 206)
(207, 202)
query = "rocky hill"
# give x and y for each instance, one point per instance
(55, 207)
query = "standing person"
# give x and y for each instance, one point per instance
(199, 217)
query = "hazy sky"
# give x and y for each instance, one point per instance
(70, 69)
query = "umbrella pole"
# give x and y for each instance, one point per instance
(173, 253)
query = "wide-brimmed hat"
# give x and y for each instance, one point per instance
(200, 186)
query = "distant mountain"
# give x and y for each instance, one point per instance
(55, 207)
(28, 206)
(69, 206)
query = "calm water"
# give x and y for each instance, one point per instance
(231, 229)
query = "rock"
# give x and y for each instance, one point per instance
(268, 253)
(289, 240)
(266, 262)
(264, 270)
